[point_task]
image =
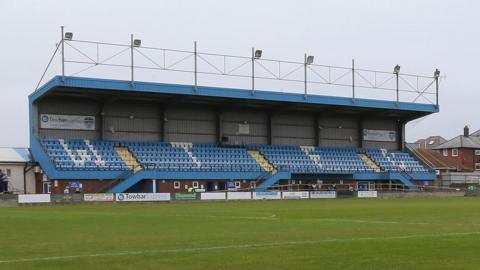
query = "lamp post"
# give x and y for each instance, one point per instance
(133, 43)
(307, 61)
(436, 74)
(256, 54)
(396, 71)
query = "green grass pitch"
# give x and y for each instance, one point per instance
(437, 233)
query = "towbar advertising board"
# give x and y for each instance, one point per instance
(142, 197)
(60, 121)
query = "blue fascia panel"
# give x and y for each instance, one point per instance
(393, 176)
(160, 175)
(54, 82)
(42, 158)
(127, 86)
(371, 176)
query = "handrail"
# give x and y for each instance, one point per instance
(303, 74)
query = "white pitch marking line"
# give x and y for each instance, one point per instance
(370, 221)
(272, 217)
(272, 244)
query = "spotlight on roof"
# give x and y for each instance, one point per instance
(137, 42)
(437, 73)
(396, 69)
(68, 35)
(309, 60)
(258, 54)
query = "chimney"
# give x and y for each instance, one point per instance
(466, 131)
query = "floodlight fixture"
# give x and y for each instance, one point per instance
(258, 54)
(396, 69)
(68, 35)
(309, 60)
(137, 43)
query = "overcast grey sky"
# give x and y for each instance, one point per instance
(418, 35)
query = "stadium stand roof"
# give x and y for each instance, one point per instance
(168, 93)
(14, 155)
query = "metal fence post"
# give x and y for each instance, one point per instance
(253, 71)
(305, 77)
(436, 88)
(195, 64)
(131, 60)
(398, 91)
(353, 80)
(63, 53)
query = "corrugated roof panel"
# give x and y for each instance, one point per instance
(11, 154)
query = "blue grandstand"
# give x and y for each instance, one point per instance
(133, 136)
(131, 164)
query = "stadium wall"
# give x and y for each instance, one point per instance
(132, 121)
(293, 128)
(338, 131)
(69, 106)
(257, 121)
(190, 124)
(151, 120)
(383, 124)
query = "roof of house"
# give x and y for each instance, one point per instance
(437, 161)
(461, 142)
(431, 141)
(15, 154)
(476, 133)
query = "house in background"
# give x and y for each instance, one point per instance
(430, 142)
(18, 165)
(457, 161)
(464, 150)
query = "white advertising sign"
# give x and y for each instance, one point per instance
(142, 197)
(367, 194)
(213, 196)
(243, 129)
(34, 198)
(295, 195)
(269, 195)
(239, 195)
(323, 194)
(379, 135)
(99, 197)
(60, 121)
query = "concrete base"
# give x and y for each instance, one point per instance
(8, 200)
